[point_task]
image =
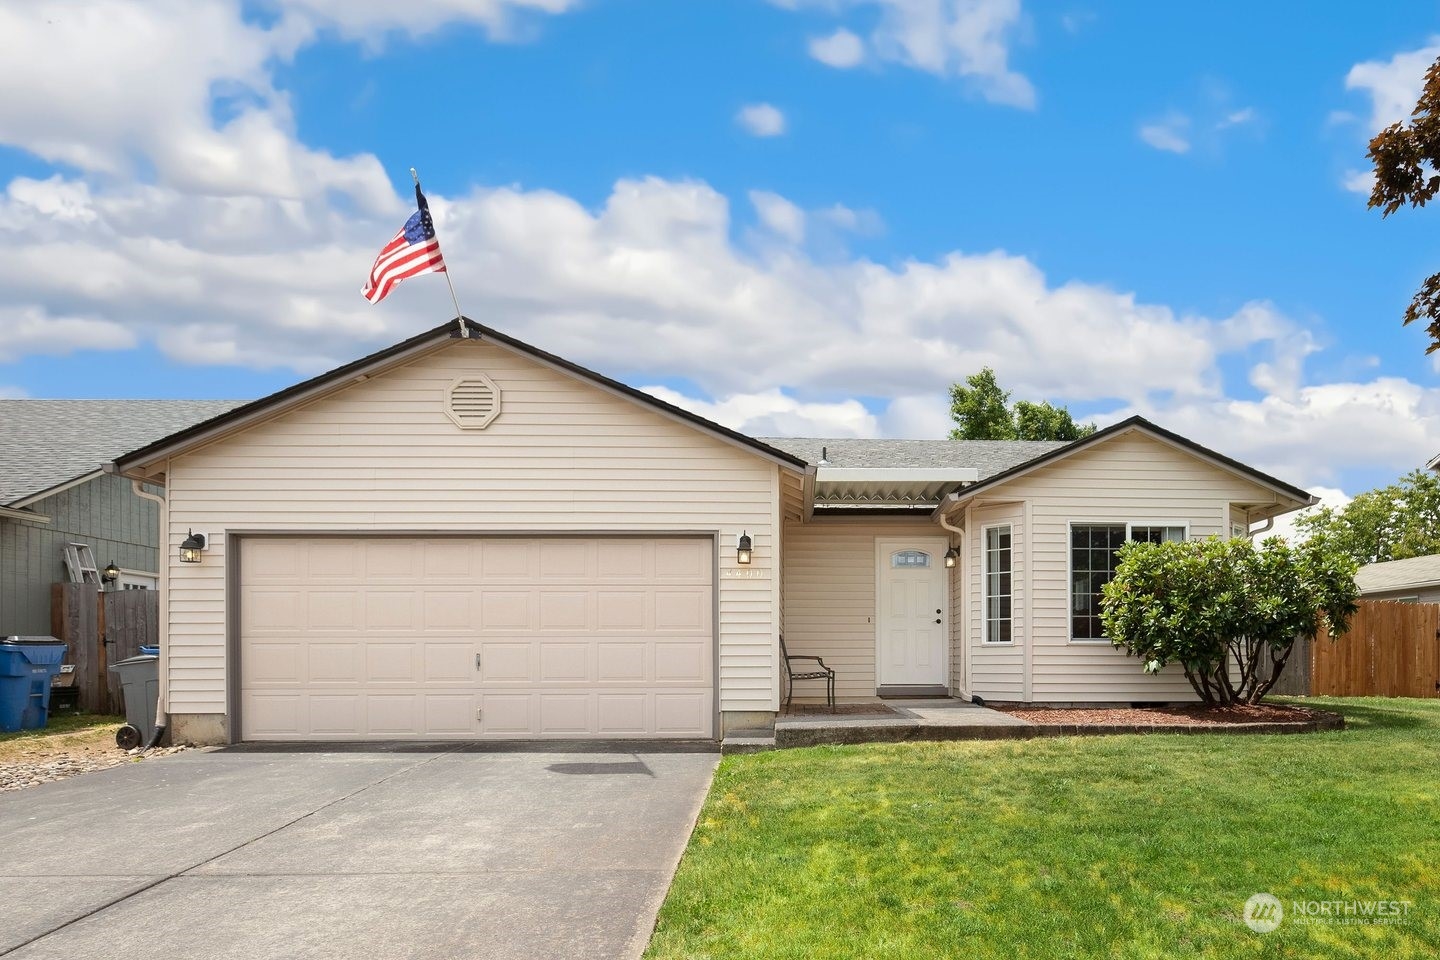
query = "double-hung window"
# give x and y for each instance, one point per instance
(999, 621)
(1093, 558)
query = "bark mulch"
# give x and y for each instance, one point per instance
(1192, 715)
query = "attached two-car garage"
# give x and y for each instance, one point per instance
(376, 637)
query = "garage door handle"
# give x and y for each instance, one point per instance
(477, 661)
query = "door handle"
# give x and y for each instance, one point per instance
(937, 619)
(477, 657)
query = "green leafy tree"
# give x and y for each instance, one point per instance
(1228, 612)
(1407, 171)
(1394, 522)
(982, 411)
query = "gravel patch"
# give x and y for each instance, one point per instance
(19, 774)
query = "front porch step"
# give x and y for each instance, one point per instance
(748, 742)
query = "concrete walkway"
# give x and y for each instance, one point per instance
(390, 852)
(939, 719)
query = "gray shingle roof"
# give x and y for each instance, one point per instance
(1398, 574)
(989, 457)
(47, 442)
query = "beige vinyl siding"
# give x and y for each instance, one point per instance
(997, 670)
(563, 456)
(1130, 478)
(829, 598)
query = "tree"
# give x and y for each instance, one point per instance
(1407, 170)
(1391, 523)
(1228, 612)
(982, 411)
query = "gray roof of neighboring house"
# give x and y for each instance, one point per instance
(44, 443)
(989, 457)
(1398, 574)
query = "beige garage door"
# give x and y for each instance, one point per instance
(498, 638)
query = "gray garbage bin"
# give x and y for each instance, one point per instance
(140, 686)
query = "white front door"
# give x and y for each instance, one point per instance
(912, 619)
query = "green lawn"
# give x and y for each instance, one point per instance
(1134, 846)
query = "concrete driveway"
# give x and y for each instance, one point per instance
(385, 852)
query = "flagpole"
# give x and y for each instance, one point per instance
(459, 317)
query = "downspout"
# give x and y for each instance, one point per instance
(957, 617)
(162, 715)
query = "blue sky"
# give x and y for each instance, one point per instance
(804, 216)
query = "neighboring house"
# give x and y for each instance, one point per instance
(1416, 579)
(467, 537)
(1434, 463)
(52, 493)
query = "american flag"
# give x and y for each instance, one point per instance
(413, 251)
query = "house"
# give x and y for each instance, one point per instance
(53, 493)
(463, 536)
(1416, 579)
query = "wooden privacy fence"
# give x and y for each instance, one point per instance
(100, 629)
(1392, 650)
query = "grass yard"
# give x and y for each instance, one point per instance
(1134, 846)
(64, 732)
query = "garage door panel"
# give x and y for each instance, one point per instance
(334, 715)
(450, 663)
(622, 662)
(564, 662)
(683, 610)
(508, 663)
(390, 609)
(396, 714)
(333, 662)
(331, 561)
(624, 611)
(270, 610)
(565, 610)
(576, 638)
(504, 611)
(512, 560)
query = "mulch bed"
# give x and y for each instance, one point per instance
(1193, 715)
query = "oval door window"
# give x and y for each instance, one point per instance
(904, 559)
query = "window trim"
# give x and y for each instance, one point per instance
(985, 585)
(1070, 526)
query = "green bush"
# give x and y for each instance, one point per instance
(1228, 612)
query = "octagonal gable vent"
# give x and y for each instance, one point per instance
(473, 402)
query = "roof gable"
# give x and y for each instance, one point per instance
(1136, 424)
(273, 405)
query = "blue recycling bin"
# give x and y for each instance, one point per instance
(27, 665)
(149, 651)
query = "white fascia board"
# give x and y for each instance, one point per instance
(10, 513)
(896, 475)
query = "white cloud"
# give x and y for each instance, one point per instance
(370, 20)
(779, 215)
(761, 119)
(1359, 181)
(772, 413)
(13, 393)
(27, 331)
(968, 39)
(1393, 85)
(1168, 134)
(1237, 118)
(841, 49)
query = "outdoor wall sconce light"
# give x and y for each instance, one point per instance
(191, 547)
(110, 574)
(952, 556)
(744, 548)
